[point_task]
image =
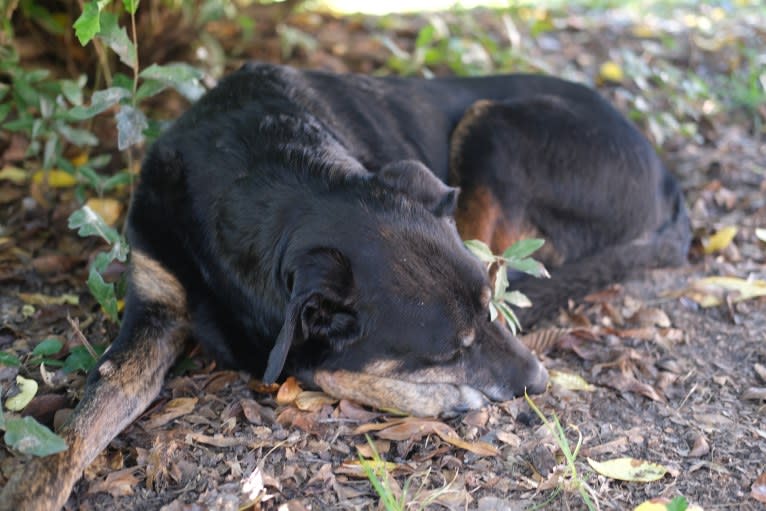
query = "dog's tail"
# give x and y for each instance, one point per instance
(667, 246)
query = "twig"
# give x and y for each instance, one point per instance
(75, 324)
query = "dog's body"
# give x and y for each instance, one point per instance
(305, 221)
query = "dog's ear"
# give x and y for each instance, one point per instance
(413, 178)
(320, 286)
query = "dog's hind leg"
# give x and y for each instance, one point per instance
(123, 384)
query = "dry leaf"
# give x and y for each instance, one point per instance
(381, 447)
(700, 446)
(414, 428)
(570, 381)
(626, 383)
(629, 469)
(313, 401)
(542, 341)
(252, 410)
(350, 410)
(41, 299)
(661, 504)
(172, 410)
(651, 316)
(712, 291)
(758, 490)
(288, 391)
(755, 394)
(108, 209)
(353, 468)
(55, 178)
(13, 174)
(760, 233)
(27, 391)
(720, 240)
(117, 484)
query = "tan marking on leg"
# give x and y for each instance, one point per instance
(471, 116)
(478, 211)
(154, 283)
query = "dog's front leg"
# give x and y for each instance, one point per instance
(128, 377)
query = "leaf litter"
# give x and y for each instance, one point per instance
(675, 359)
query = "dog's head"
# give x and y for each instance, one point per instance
(392, 310)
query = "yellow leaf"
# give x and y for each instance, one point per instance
(55, 178)
(27, 390)
(610, 71)
(760, 233)
(288, 391)
(720, 240)
(711, 291)
(41, 299)
(570, 381)
(312, 401)
(108, 209)
(629, 469)
(13, 174)
(661, 504)
(79, 160)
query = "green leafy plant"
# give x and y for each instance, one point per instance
(28, 436)
(516, 257)
(571, 481)
(88, 223)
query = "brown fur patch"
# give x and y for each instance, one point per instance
(471, 116)
(155, 284)
(421, 399)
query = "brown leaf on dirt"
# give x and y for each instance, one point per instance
(350, 410)
(758, 490)
(543, 341)
(252, 410)
(508, 438)
(651, 316)
(313, 401)
(414, 429)
(288, 391)
(477, 418)
(754, 394)
(628, 383)
(219, 380)
(217, 440)
(172, 410)
(700, 446)
(381, 446)
(117, 484)
(353, 468)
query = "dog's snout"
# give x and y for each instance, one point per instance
(538, 381)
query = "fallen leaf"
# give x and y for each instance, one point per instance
(712, 291)
(610, 71)
(700, 446)
(350, 410)
(312, 401)
(381, 447)
(288, 391)
(252, 410)
(414, 428)
(627, 383)
(542, 341)
(651, 316)
(755, 394)
(27, 391)
(216, 440)
(41, 299)
(117, 484)
(758, 490)
(108, 209)
(353, 468)
(173, 409)
(720, 240)
(760, 233)
(629, 469)
(570, 381)
(13, 174)
(55, 178)
(662, 504)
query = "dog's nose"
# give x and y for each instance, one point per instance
(539, 381)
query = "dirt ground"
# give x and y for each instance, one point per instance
(671, 382)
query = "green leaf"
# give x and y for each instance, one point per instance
(523, 248)
(89, 223)
(76, 136)
(150, 88)
(48, 347)
(103, 292)
(480, 250)
(117, 39)
(131, 6)
(679, 503)
(131, 123)
(2, 418)
(72, 89)
(501, 282)
(9, 359)
(88, 24)
(100, 101)
(5, 109)
(27, 390)
(510, 317)
(80, 359)
(30, 437)
(182, 77)
(517, 298)
(529, 266)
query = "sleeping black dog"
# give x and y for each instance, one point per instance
(310, 223)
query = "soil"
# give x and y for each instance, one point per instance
(671, 382)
